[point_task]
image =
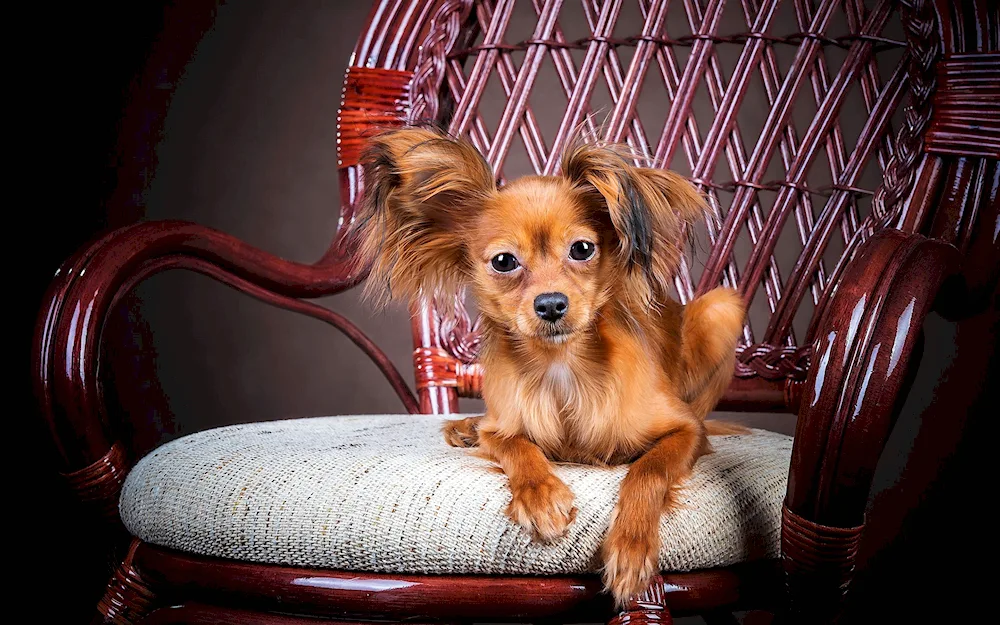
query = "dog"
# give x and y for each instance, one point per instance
(586, 357)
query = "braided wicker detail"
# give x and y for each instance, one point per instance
(437, 368)
(920, 22)
(100, 483)
(446, 26)
(648, 607)
(127, 599)
(773, 362)
(460, 336)
(818, 561)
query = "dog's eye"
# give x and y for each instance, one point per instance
(582, 250)
(504, 263)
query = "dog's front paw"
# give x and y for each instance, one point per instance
(462, 432)
(543, 506)
(631, 553)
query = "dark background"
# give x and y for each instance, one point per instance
(248, 147)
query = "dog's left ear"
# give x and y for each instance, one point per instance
(650, 210)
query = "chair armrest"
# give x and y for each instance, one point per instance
(66, 358)
(858, 379)
(861, 371)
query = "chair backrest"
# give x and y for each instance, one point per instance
(803, 121)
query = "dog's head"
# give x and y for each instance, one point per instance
(544, 255)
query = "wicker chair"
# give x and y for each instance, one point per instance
(877, 174)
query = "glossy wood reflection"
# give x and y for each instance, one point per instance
(332, 593)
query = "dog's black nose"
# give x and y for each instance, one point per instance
(551, 306)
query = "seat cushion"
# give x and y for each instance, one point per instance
(387, 494)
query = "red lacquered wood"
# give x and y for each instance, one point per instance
(191, 613)
(819, 562)
(862, 360)
(434, 398)
(375, 92)
(67, 354)
(970, 195)
(67, 347)
(332, 593)
(98, 484)
(438, 368)
(646, 608)
(755, 394)
(373, 98)
(386, 54)
(128, 597)
(966, 119)
(849, 404)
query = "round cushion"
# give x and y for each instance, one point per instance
(385, 493)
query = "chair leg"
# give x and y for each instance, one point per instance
(647, 607)
(128, 598)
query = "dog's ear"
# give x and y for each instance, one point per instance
(650, 210)
(421, 190)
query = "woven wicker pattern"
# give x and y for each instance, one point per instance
(786, 114)
(385, 493)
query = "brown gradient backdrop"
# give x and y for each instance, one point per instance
(250, 148)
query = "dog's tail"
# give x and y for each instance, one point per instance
(714, 427)
(711, 325)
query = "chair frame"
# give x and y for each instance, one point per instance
(845, 389)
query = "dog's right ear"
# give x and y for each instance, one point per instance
(422, 189)
(651, 211)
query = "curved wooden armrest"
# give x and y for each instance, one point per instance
(66, 357)
(860, 374)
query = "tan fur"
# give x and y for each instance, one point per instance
(420, 186)
(627, 375)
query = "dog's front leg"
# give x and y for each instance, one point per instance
(462, 432)
(540, 502)
(632, 547)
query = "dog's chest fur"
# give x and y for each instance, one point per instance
(604, 400)
(580, 417)
(560, 381)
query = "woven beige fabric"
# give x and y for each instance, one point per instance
(385, 493)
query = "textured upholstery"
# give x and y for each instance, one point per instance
(385, 493)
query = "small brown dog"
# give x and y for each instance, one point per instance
(586, 358)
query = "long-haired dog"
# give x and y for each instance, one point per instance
(586, 358)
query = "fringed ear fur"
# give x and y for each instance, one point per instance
(651, 211)
(422, 188)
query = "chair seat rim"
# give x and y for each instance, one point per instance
(325, 592)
